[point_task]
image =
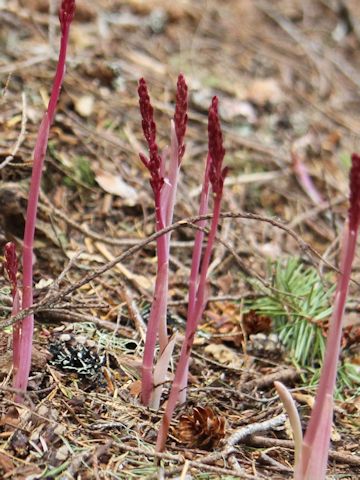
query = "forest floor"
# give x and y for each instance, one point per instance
(287, 74)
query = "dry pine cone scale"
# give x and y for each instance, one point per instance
(203, 428)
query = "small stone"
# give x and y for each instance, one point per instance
(84, 106)
(62, 453)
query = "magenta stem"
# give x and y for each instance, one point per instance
(191, 325)
(27, 325)
(321, 417)
(164, 206)
(195, 265)
(198, 243)
(16, 307)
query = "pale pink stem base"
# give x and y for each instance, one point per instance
(156, 314)
(160, 373)
(27, 325)
(16, 332)
(294, 418)
(168, 197)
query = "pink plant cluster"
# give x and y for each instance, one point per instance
(23, 330)
(164, 168)
(164, 172)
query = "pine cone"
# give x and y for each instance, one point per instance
(203, 428)
(255, 323)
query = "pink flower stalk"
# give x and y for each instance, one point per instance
(216, 151)
(214, 174)
(66, 15)
(11, 267)
(195, 265)
(305, 180)
(164, 184)
(315, 448)
(180, 116)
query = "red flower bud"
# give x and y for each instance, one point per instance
(354, 209)
(66, 13)
(216, 149)
(149, 129)
(180, 117)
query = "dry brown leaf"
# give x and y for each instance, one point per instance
(40, 356)
(265, 90)
(6, 464)
(229, 323)
(20, 443)
(115, 185)
(224, 355)
(62, 453)
(11, 418)
(231, 108)
(135, 388)
(255, 323)
(303, 398)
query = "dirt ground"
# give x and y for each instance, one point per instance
(287, 75)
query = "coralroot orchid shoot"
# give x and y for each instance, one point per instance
(215, 175)
(66, 15)
(195, 264)
(315, 449)
(163, 181)
(295, 422)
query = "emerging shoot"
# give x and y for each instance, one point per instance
(315, 449)
(163, 180)
(66, 15)
(214, 175)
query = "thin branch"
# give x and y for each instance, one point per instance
(188, 222)
(200, 465)
(244, 432)
(241, 434)
(268, 442)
